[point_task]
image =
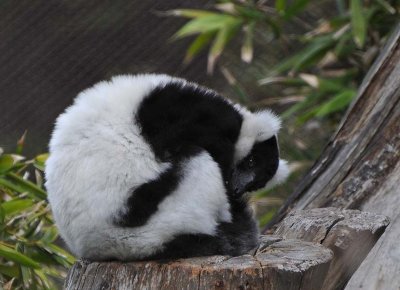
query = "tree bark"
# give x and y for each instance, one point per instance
(360, 168)
(350, 234)
(364, 152)
(276, 264)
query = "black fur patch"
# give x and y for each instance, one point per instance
(179, 122)
(175, 117)
(257, 168)
(143, 201)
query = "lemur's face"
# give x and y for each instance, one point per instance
(257, 168)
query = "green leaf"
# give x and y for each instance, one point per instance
(27, 278)
(250, 13)
(10, 271)
(50, 235)
(6, 163)
(204, 24)
(2, 216)
(197, 45)
(305, 57)
(330, 85)
(16, 206)
(40, 160)
(344, 46)
(295, 8)
(387, 6)
(358, 22)
(60, 255)
(308, 102)
(223, 36)
(32, 228)
(280, 6)
(27, 185)
(336, 103)
(15, 256)
(276, 29)
(313, 52)
(267, 217)
(45, 281)
(11, 186)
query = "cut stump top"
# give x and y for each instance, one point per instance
(276, 264)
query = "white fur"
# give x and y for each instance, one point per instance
(256, 127)
(87, 192)
(280, 176)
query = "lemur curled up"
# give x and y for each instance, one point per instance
(151, 166)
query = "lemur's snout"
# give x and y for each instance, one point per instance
(241, 181)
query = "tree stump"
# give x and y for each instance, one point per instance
(276, 264)
(350, 234)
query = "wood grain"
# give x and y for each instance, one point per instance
(350, 234)
(277, 264)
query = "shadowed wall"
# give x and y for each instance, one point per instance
(51, 50)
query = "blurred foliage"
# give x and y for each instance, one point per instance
(319, 75)
(333, 56)
(29, 255)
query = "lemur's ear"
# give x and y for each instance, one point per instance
(267, 124)
(256, 127)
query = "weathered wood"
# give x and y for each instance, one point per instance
(350, 234)
(360, 168)
(276, 264)
(365, 149)
(381, 268)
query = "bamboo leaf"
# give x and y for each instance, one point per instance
(59, 254)
(10, 271)
(308, 102)
(15, 256)
(27, 185)
(250, 13)
(50, 235)
(2, 216)
(45, 281)
(6, 163)
(336, 103)
(40, 160)
(296, 7)
(197, 45)
(358, 22)
(280, 6)
(389, 8)
(16, 206)
(11, 186)
(204, 24)
(223, 36)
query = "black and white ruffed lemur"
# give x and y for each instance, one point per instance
(152, 167)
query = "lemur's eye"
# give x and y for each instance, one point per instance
(251, 162)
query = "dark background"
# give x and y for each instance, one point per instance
(51, 50)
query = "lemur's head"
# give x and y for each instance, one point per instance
(257, 162)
